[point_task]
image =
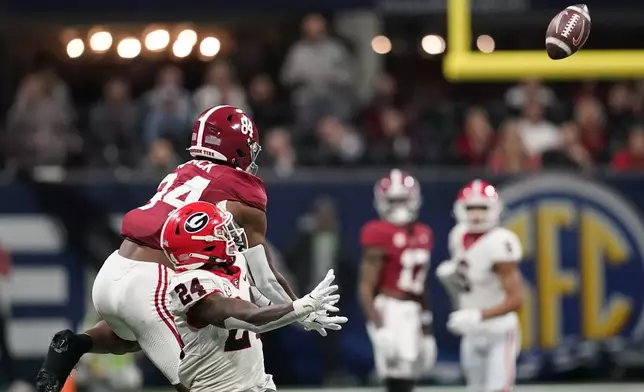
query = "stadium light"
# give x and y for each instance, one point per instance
(157, 40)
(101, 41)
(129, 48)
(433, 44)
(182, 48)
(381, 44)
(209, 47)
(188, 35)
(485, 43)
(75, 48)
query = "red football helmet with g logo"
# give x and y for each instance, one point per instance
(226, 134)
(200, 233)
(478, 206)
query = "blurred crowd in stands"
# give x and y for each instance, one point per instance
(309, 114)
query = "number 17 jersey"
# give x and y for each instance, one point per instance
(195, 180)
(407, 253)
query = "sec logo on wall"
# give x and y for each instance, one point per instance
(584, 255)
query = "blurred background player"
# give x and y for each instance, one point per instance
(130, 289)
(212, 300)
(396, 255)
(483, 276)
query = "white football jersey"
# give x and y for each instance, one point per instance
(475, 256)
(216, 359)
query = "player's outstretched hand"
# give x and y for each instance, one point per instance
(320, 320)
(322, 297)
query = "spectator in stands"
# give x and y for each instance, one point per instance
(631, 158)
(169, 109)
(280, 151)
(320, 240)
(620, 111)
(571, 154)
(162, 157)
(384, 97)
(220, 88)
(113, 133)
(510, 155)
(588, 89)
(473, 146)
(319, 71)
(638, 98)
(530, 90)
(268, 111)
(39, 127)
(339, 142)
(591, 120)
(394, 146)
(537, 133)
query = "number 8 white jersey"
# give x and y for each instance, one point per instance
(216, 359)
(477, 283)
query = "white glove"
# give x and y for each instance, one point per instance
(446, 269)
(428, 352)
(464, 321)
(322, 298)
(384, 340)
(320, 320)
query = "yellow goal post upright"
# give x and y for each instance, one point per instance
(462, 64)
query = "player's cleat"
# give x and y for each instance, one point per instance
(65, 350)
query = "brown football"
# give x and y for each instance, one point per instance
(568, 32)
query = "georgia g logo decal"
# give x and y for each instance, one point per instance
(196, 222)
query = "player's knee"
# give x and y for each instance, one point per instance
(107, 342)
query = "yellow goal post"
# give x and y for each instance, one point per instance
(462, 64)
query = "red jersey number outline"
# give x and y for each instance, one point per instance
(414, 263)
(192, 190)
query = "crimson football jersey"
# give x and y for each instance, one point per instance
(407, 254)
(192, 181)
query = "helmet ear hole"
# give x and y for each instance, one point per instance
(177, 231)
(229, 118)
(240, 153)
(209, 248)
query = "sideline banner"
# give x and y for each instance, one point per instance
(583, 240)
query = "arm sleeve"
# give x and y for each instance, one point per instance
(188, 288)
(258, 298)
(233, 323)
(262, 276)
(507, 249)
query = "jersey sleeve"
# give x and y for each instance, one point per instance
(507, 248)
(372, 235)
(188, 288)
(237, 185)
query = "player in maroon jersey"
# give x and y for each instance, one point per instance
(392, 287)
(130, 289)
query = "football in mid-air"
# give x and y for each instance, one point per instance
(568, 32)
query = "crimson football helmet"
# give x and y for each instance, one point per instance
(227, 134)
(397, 198)
(200, 233)
(478, 206)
